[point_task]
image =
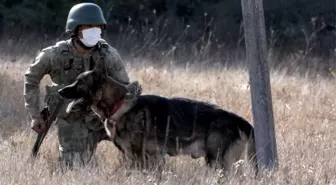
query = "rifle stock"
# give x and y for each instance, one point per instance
(49, 118)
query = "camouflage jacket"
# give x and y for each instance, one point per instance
(63, 64)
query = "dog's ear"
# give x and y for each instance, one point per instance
(100, 66)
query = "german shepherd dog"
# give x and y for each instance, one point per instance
(148, 127)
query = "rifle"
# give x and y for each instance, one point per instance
(48, 118)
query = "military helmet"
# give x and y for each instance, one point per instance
(84, 13)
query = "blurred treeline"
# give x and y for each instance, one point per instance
(204, 26)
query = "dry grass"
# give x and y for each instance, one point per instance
(304, 110)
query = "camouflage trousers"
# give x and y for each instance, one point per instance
(79, 135)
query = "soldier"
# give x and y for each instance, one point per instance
(80, 131)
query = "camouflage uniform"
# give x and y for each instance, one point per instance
(79, 131)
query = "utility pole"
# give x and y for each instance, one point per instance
(259, 77)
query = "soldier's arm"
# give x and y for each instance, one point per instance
(32, 77)
(116, 66)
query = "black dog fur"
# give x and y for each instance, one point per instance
(155, 126)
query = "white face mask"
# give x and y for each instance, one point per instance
(91, 36)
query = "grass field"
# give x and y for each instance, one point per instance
(305, 123)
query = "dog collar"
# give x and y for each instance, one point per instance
(115, 108)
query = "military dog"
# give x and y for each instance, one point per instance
(148, 127)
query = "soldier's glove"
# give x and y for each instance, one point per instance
(38, 124)
(134, 89)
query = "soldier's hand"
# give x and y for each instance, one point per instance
(38, 124)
